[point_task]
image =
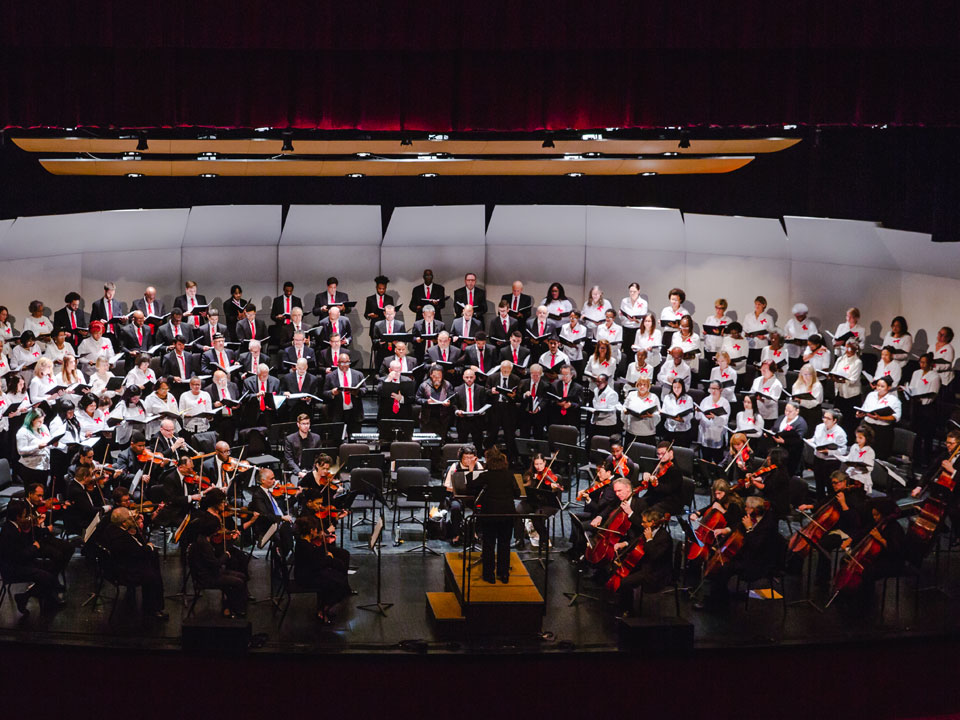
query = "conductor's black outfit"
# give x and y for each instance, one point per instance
(498, 488)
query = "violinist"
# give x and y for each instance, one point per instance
(772, 483)
(268, 506)
(853, 521)
(654, 571)
(665, 488)
(739, 462)
(216, 521)
(316, 503)
(295, 443)
(85, 497)
(51, 547)
(830, 444)
(211, 570)
(136, 560)
(223, 470)
(468, 463)
(317, 567)
(181, 488)
(541, 477)
(760, 554)
(622, 465)
(21, 563)
(320, 478)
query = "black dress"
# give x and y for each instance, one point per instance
(496, 490)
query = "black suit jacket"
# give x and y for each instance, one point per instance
(326, 357)
(246, 361)
(479, 302)
(165, 333)
(293, 447)
(551, 327)
(454, 354)
(279, 306)
(379, 329)
(668, 493)
(171, 367)
(62, 320)
(335, 403)
(181, 302)
(409, 363)
(290, 355)
(209, 360)
(343, 329)
(656, 566)
(457, 329)
(480, 397)
(204, 332)
(506, 353)
(285, 333)
(242, 331)
(98, 310)
(543, 387)
(491, 359)
(499, 488)
(288, 383)
(323, 298)
(526, 301)
(574, 393)
(407, 389)
(418, 299)
(214, 392)
(252, 385)
(128, 337)
(372, 308)
(140, 304)
(495, 329)
(232, 312)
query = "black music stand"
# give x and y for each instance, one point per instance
(549, 502)
(572, 456)
(576, 594)
(376, 545)
(425, 494)
(392, 431)
(368, 460)
(309, 456)
(331, 434)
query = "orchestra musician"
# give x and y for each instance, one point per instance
(467, 462)
(135, 560)
(540, 477)
(49, 546)
(665, 489)
(295, 443)
(655, 569)
(20, 560)
(316, 566)
(211, 570)
(262, 501)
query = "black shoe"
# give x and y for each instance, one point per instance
(21, 600)
(354, 592)
(504, 579)
(490, 580)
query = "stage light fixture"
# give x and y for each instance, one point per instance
(142, 142)
(207, 156)
(574, 174)
(287, 146)
(684, 140)
(438, 138)
(363, 154)
(428, 175)
(134, 175)
(647, 174)
(355, 175)
(129, 155)
(208, 175)
(548, 144)
(592, 154)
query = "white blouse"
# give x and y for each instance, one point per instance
(901, 346)
(713, 343)
(752, 323)
(850, 368)
(28, 446)
(670, 372)
(593, 314)
(669, 315)
(711, 432)
(859, 333)
(57, 354)
(652, 344)
(749, 425)
(39, 387)
(893, 369)
(571, 334)
(636, 309)
(737, 349)
(634, 373)
(154, 406)
(863, 455)
(816, 391)
(641, 426)
(191, 405)
(921, 384)
(836, 435)
(39, 326)
(798, 331)
(945, 368)
(612, 334)
(557, 307)
(767, 407)
(725, 376)
(688, 345)
(89, 350)
(671, 406)
(873, 402)
(821, 358)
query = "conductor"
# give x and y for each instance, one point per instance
(496, 489)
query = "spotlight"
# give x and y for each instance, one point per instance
(134, 175)
(548, 144)
(592, 154)
(363, 154)
(574, 174)
(670, 154)
(287, 136)
(142, 142)
(684, 140)
(207, 156)
(208, 175)
(404, 142)
(355, 175)
(438, 137)
(428, 175)
(131, 155)
(647, 174)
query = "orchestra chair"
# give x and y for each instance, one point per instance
(902, 451)
(797, 493)
(282, 583)
(368, 482)
(6, 477)
(870, 361)
(771, 576)
(697, 395)
(684, 459)
(255, 440)
(204, 442)
(451, 451)
(198, 586)
(566, 434)
(401, 450)
(409, 477)
(348, 449)
(105, 571)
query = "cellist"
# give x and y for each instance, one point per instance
(944, 462)
(725, 502)
(600, 496)
(626, 503)
(655, 569)
(888, 562)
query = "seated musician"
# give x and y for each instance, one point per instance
(538, 476)
(295, 443)
(772, 482)
(136, 561)
(20, 561)
(945, 462)
(600, 497)
(315, 566)
(263, 502)
(655, 569)
(180, 491)
(211, 571)
(320, 477)
(222, 471)
(467, 462)
(665, 489)
(625, 500)
(762, 550)
(724, 501)
(212, 518)
(886, 531)
(85, 498)
(622, 465)
(49, 546)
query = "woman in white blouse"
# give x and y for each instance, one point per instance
(7, 330)
(194, 402)
(611, 332)
(594, 307)
(736, 347)
(850, 325)
(924, 387)
(33, 446)
(35, 322)
(576, 333)
(141, 374)
(649, 338)
(689, 342)
(777, 354)
(94, 347)
(639, 369)
(680, 431)
(671, 314)
(92, 420)
(847, 392)
(825, 458)
(58, 347)
(69, 375)
(724, 374)
(25, 355)
(881, 411)
(900, 339)
(159, 401)
(943, 355)
(100, 377)
(42, 382)
(601, 362)
(759, 321)
(713, 425)
(131, 410)
(817, 354)
(808, 383)
(749, 421)
(15, 392)
(641, 429)
(887, 367)
(719, 319)
(556, 301)
(768, 390)
(863, 454)
(632, 309)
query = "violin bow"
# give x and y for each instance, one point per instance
(149, 471)
(736, 455)
(547, 469)
(657, 468)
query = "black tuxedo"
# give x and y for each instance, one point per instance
(171, 366)
(525, 301)
(293, 447)
(377, 331)
(99, 311)
(290, 355)
(334, 403)
(252, 385)
(574, 392)
(288, 383)
(270, 513)
(204, 332)
(210, 359)
(215, 395)
(326, 357)
(279, 306)
(418, 298)
(457, 329)
(181, 302)
(471, 428)
(141, 304)
(242, 330)
(323, 297)
(667, 496)
(165, 333)
(506, 353)
(343, 329)
(372, 307)
(454, 355)
(503, 414)
(479, 302)
(176, 498)
(551, 328)
(232, 312)
(61, 319)
(495, 329)
(128, 337)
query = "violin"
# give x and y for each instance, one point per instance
(546, 477)
(48, 505)
(148, 456)
(194, 478)
(233, 465)
(628, 559)
(282, 490)
(241, 512)
(593, 488)
(750, 477)
(148, 507)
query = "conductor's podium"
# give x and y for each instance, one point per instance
(514, 608)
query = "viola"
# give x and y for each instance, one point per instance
(233, 465)
(593, 488)
(148, 507)
(238, 511)
(711, 521)
(327, 482)
(48, 505)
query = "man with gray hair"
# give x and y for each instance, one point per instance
(136, 560)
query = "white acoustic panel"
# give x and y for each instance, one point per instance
(332, 225)
(215, 269)
(5, 226)
(734, 235)
(738, 281)
(635, 228)
(551, 225)
(233, 226)
(405, 265)
(131, 271)
(438, 225)
(929, 303)
(47, 279)
(917, 253)
(841, 242)
(656, 272)
(46, 235)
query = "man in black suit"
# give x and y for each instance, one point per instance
(538, 329)
(329, 358)
(341, 406)
(296, 325)
(298, 380)
(445, 355)
(250, 328)
(566, 410)
(429, 293)
(429, 325)
(395, 394)
(190, 300)
(334, 324)
(465, 327)
(295, 443)
(515, 352)
(217, 356)
(284, 304)
(535, 405)
(655, 569)
(174, 328)
(470, 398)
(220, 389)
(518, 303)
(665, 493)
(177, 363)
(137, 561)
(251, 360)
(502, 325)
(271, 513)
(400, 354)
(373, 310)
(388, 326)
(481, 356)
(325, 300)
(136, 336)
(72, 319)
(503, 394)
(178, 494)
(299, 349)
(149, 304)
(210, 328)
(107, 309)
(259, 387)
(470, 294)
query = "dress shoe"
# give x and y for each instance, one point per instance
(490, 580)
(21, 600)
(504, 579)
(354, 592)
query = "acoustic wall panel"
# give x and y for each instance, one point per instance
(47, 279)
(215, 269)
(734, 235)
(455, 225)
(929, 303)
(841, 242)
(332, 225)
(132, 271)
(916, 253)
(635, 228)
(737, 281)
(233, 226)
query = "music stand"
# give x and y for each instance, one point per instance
(343, 501)
(375, 545)
(308, 457)
(529, 446)
(392, 431)
(367, 460)
(331, 434)
(548, 501)
(572, 456)
(426, 494)
(576, 594)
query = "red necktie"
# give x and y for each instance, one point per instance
(444, 355)
(541, 329)
(223, 361)
(73, 320)
(140, 337)
(553, 359)
(345, 383)
(109, 305)
(380, 301)
(149, 309)
(515, 303)
(390, 328)
(469, 399)
(335, 356)
(196, 318)
(300, 383)
(429, 332)
(428, 291)
(299, 353)
(533, 390)
(176, 331)
(332, 299)
(515, 361)
(563, 411)
(224, 394)
(396, 406)
(288, 309)
(263, 398)
(504, 327)
(470, 298)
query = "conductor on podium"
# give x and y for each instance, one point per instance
(496, 489)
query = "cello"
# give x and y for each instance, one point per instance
(627, 560)
(713, 519)
(730, 549)
(924, 525)
(820, 522)
(856, 561)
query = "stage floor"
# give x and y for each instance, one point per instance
(590, 625)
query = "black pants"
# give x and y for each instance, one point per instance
(883, 440)
(822, 469)
(471, 430)
(45, 584)
(234, 587)
(630, 583)
(496, 544)
(924, 424)
(850, 419)
(151, 585)
(56, 550)
(533, 425)
(539, 522)
(29, 476)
